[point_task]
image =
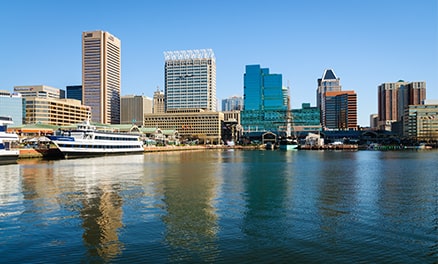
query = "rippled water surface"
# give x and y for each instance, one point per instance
(223, 206)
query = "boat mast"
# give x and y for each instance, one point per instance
(288, 114)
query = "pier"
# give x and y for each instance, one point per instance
(329, 147)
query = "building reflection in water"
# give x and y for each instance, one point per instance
(39, 186)
(87, 188)
(190, 187)
(10, 191)
(101, 204)
(267, 188)
(102, 217)
(337, 194)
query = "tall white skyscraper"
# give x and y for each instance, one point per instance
(101, 76)
(190, 80)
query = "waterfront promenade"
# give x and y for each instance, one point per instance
(52, 152)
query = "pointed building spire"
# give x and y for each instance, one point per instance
(329, 74)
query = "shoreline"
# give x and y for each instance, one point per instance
(53, 153)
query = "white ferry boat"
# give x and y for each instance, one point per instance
(86, 140)
(8, 155)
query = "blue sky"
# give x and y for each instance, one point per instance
(365, 42)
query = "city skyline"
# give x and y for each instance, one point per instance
(366, 44)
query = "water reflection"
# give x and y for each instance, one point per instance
(337, 193)
(102, 217)
(222, 206)
(88, 188)
(189, 189)
(10, 191)
(99, 183)
(266, 179)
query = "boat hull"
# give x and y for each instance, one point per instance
(288, 144)
(69, 150)
(9, 157)
(89, 154)
(288, 147)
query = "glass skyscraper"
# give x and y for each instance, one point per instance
(232, 103)
(341, 110)
(74, 92)
(12, 105)
(265, 107)
(190, 80)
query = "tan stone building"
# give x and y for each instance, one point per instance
(39, 90)
(202, 125)
(101, 76)
(133, 107)
(159, 102)
(58, 112)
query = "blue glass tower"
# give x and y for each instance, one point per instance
(74, 92)
(264, 106)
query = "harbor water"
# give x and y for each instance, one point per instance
(223, 206)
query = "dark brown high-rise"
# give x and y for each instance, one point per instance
(393, 98)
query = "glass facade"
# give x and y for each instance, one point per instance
(234, 103)
(74, 92)
(12, 106)
(341, 110)
(264, 106)
(421, 122)
(306, 118)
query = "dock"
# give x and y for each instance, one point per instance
(330, 147)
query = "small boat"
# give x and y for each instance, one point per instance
(269, 146)
(86, 141)
(8, 155)
(288, 144)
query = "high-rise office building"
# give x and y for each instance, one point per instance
(101, 76)
(74, 92)
(39, 91)
(328, 83)
(394, 98)
(133, 108)
(264, 100)
(374, 119)
(233, 103)
(190, 80)
(341, 110)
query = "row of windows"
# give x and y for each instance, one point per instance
(116, 138)
(53, 106)
(99, 146)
